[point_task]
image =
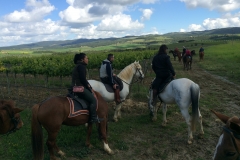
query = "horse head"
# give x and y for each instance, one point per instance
(9, 117)
(139, 73)
(228, 146)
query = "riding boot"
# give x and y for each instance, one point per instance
(154, 97)
(117, 96)
(93, 114)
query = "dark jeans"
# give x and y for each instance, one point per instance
(88, 96)
(106, 80)
(160, 82)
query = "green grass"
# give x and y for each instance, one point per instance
(135, 132)
(223, 60)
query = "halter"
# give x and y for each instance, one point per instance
(233, 135)
(15, 122)
(137, 70)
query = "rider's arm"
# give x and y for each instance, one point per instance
(82, 77)
(109, 73)
(169, 64)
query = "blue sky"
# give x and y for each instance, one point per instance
(29, 21)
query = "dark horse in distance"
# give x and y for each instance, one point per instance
(9, 117)
(176, 54)
(187, 62)
(53, 113)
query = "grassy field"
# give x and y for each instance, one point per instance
(135, 136)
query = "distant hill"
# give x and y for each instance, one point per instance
(107, 41)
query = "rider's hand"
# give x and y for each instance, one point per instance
(114, 74)
(115, 86)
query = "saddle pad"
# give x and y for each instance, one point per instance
(76, 108)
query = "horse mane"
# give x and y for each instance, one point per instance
(126, 73)
(7, 105)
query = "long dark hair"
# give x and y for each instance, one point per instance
(78, 57)
(162, 49)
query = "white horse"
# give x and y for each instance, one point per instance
(126, 75)
(182, 92)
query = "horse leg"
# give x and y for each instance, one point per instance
(155, 110)
(201, 126)
(52, 146)
(117, 113)
(164, 110)
(89, 132)
(103, 132)
(186, 115)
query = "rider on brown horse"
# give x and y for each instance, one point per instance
(188, 53)
(79, 79)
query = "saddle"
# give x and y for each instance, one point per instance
(109, 88)
(78, 106)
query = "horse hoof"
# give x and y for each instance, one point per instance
(200, 135)
(164, 124)
(189, 142)
(154, 119)
(61, 153)
(115, 119)
(111, 152)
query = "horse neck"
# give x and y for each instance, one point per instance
(127, 73)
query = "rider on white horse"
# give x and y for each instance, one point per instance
(107, 76)
(163, 69)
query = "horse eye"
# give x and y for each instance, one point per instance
(230, 154)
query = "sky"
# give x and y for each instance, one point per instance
(30, 21)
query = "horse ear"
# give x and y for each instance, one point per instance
(222, 117)
(137, 61)
(17, 110)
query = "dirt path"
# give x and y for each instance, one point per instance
(166, 143)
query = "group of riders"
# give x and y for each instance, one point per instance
(161, 65)
(186, 52)
(106, 76)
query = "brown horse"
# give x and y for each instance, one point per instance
(9, 117)
(201, 55)
(54, 112)
(176, 54)
(187, 62)
(228, 146)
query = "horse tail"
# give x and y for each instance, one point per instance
(37, 135)
(195, 94)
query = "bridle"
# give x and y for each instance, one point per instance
(233, 135)
(137, 70)
(15, 122)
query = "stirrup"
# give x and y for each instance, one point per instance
(96, 120)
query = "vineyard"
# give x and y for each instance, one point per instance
(62, 64)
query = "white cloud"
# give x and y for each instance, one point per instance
(35, 11)
(31, 32)
(220, 5)
(146, 14)
(195, 27)
(228, 20)
(182, 30)
(149, 1)
(119, 22)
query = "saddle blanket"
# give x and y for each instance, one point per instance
(76, 108)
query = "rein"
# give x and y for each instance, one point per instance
(233, 136)
(15, 123)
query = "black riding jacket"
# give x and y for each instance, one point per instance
(79, 76)
(162, 66)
